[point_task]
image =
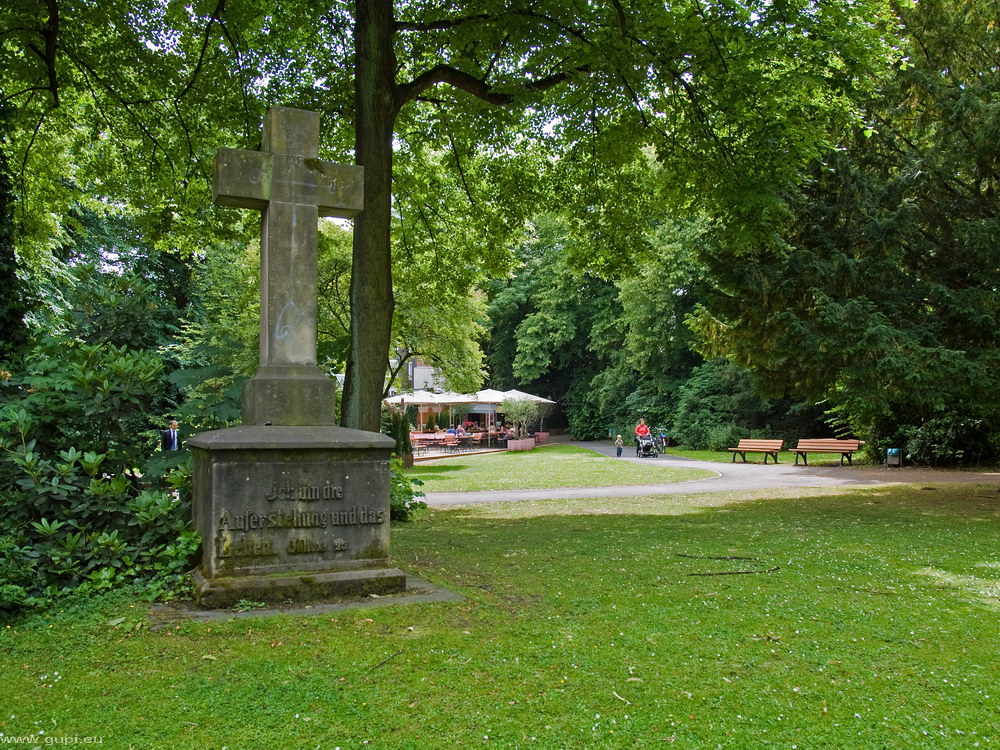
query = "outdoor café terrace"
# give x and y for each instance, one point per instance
(476, 412)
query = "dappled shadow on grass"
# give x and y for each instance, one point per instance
(625, 629)
(437, 470)
(860, 533)
(635, 505)
(984, 496)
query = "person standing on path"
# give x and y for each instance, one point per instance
(618, 446)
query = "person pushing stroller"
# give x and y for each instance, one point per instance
(643, 440)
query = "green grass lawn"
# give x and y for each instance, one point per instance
(546, 467)
(860, 619)
(785, 456)
(705, 455)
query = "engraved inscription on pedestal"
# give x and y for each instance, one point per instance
(268, 504)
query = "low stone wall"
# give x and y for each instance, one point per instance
(524, 444)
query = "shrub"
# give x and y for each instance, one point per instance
(403, 493)
(521, 413)
(723, 436)
(720, 404)
(82, 528)
(92, 396)
(77, 501)
(17, 574)
(948, 441)
(397, 426)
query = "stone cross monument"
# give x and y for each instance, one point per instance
(291, 186)
(288, 505)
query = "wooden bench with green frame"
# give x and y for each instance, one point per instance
(750, 445)
(826, 445)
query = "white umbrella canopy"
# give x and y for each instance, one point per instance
(486, 396)
(490, 396)
(516, 395)
(417, 398)
(450, 397)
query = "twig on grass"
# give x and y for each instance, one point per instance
(738, 572)
(712, 557)
(626, 702)
(385, 660)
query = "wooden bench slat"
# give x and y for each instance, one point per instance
(775, 444)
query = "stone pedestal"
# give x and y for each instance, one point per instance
(289, 396)
(289, 512)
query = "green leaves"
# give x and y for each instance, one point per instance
(47, 529)
(881, 296)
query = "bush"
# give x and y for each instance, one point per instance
(948, 441)
(720, 404)
(397, 426)
(17, 574)
(87, 519)
(585, 420)
(521, 413)
(723, 436)
(84, 529)
(403, 493)
(92, 396)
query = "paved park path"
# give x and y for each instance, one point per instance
(731, 476)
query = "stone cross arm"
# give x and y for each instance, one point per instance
(252, 179)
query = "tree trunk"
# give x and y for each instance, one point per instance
(371, 280)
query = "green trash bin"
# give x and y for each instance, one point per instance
(893, 457)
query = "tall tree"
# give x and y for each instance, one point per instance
(884, 300)
(734, 96)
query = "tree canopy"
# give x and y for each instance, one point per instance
(883, 298)
(521, 108)
(799, 154)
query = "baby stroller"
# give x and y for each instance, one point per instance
(644, 446)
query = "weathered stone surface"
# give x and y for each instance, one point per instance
(289, 506)
(292, 188)
(217, 593)
(291, 499)
(289, 396)
(252, 179)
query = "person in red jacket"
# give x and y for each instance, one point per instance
(641, 434)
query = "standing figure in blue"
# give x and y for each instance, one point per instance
(618, 446)
(170, 438)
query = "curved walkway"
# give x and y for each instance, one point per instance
(731, 476)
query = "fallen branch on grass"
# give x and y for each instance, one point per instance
(386, 660)
(738, 572)
(712, 557)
